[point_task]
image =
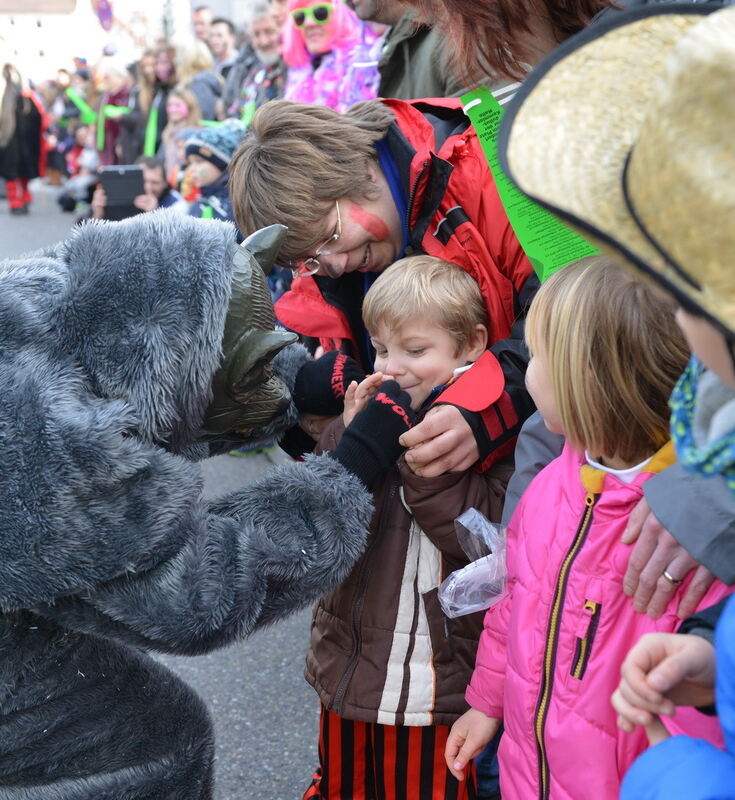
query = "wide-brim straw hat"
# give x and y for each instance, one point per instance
(627, 132)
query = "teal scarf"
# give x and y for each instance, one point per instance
(714, 458)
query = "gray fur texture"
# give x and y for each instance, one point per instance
(108, 343)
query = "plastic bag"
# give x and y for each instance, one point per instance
(481, 583)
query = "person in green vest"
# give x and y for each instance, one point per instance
(116, 81)
(165, 79)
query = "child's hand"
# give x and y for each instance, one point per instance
(467, 739)
(656, 732)
(358, 394)
(662, 671)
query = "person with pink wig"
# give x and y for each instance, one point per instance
(330, 53)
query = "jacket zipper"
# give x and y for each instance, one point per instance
(584, 645)
(552, 638)
(411, 200)
(357, 607)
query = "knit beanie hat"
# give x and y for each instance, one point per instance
(216, 143)
(185, 134)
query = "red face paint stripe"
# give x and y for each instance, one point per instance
(370, 223)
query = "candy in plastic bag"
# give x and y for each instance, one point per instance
(481, 583)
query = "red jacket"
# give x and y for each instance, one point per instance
(454, 213)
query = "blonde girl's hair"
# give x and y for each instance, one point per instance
(193, 115)
(146, 89)
(427, 287)
(297, 160)
(614, 353)
(192, 57)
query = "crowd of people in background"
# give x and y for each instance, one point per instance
(331, 54)
(103, 112)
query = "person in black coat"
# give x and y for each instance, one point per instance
(22, 147)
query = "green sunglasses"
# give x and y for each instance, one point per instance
(319, 12)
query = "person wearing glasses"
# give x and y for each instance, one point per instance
(359, 190)
(328, 52)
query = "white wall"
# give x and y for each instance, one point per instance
(42, 43)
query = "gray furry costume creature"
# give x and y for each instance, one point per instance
(125, 352)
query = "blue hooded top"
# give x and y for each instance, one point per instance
(682, 768)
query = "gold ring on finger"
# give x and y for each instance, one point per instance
(671, 579)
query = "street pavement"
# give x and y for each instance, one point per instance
(265, 715)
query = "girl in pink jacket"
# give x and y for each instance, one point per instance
(606, 354)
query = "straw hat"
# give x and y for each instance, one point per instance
(627, 131)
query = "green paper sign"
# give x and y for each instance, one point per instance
(548, 242)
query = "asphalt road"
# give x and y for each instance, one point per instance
(265, 714)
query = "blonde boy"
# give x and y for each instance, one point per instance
(387, 665)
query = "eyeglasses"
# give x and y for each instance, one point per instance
(320, 13)
(310, 266)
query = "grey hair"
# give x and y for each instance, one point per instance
(257, 9)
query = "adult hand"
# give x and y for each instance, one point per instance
(99, 203)
(664, 670)
(146, 202)
(656, 551)
(441, 442)
(467, 739)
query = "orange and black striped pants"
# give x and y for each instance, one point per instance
(368, 761)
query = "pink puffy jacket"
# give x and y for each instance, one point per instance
(550, 654)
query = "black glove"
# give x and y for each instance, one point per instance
(296, 442)
(321, 384)
(369, 446)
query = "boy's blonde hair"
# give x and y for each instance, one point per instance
(614, 353)
(424, 286)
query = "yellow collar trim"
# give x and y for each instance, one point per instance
(593, 479)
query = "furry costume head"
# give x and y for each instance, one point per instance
(167, 314)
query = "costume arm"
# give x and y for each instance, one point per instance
(437, 502)
(699, 513)
(245, 561)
